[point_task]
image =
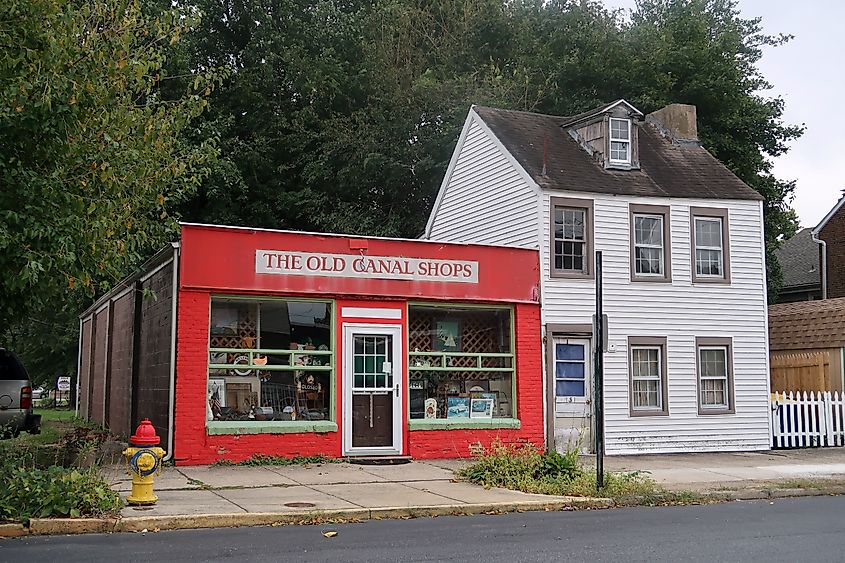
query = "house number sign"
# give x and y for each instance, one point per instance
(352, 266)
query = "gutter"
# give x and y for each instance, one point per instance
(171, 423)
(815, 236)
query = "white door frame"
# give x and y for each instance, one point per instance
(394, 330)
(574, 406)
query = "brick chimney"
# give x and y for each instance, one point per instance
(676, 120)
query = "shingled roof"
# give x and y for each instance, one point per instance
(807, 324)
(799, 261)
(667, 169)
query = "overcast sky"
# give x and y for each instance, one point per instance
(809, 73)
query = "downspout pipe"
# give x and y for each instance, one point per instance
(172, 388)
(815, 236)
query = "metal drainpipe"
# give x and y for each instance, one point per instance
(172, 388)
(815, 237)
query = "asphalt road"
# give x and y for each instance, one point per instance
(803, 529)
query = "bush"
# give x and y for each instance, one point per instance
(56, 491)
(38, 481)
(523, 467)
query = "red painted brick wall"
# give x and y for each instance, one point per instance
(430, 444)
(191, 444)
(833, 234)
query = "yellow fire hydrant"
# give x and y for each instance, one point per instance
(143, 456)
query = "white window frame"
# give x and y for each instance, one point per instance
(612, 139)
(720, 248)
(661, 246)
(726, 406)
(660, 407)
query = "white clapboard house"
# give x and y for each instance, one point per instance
(686, 365)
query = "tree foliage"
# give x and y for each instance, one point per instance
(93, 159)
(342, 115)
(336, 115)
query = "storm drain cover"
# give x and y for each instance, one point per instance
(300, 504)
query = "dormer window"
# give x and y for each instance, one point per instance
(620, 141)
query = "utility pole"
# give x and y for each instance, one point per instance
(598, 377)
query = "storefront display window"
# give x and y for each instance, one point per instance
(461, 363)
(270, 360)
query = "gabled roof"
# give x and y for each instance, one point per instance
(666, 169)
(829, 215)
(598, 111)
(799, 261)
(807, 324)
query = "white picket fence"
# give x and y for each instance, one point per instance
(808, 420)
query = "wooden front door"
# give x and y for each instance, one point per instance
(372, 374)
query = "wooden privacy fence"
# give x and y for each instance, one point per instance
(808, 420)
(801, 371)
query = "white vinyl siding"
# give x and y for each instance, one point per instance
(486, 199)
(682, 311)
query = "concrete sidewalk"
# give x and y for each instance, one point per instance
(704, 472)
(333, 488)
(209, 496)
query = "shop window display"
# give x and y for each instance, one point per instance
(461, 363)
(269, 360)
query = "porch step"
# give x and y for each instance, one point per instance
(378, 459)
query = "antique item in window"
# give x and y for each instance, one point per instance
(431, 408)
(481, 408)
(447, 336)
(457, 407)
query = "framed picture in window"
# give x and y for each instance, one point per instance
(447, 335)
(481, 408)
(217, 391)
(457, 407)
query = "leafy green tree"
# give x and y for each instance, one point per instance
(92, 159)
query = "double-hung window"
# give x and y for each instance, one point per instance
(715, 377)
(650, 243)
(620, 141)
(571, 237)
(647, 357)
(710, 245)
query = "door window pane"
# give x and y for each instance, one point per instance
(570, 370)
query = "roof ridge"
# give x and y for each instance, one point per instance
(523, 112)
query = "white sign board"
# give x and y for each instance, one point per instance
(63, 384)
(351, 266)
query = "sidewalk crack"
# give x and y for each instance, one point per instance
(215, 493)
(313, 488)
(433, 493)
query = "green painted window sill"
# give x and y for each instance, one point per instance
(215, 428)
(464, 424)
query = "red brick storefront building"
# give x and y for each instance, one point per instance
(302, 344)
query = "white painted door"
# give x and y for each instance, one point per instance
(372, 380)
(572, 388)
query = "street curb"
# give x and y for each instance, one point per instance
(44, 526)
(12, 530)
(56, 526)
(51, 526)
